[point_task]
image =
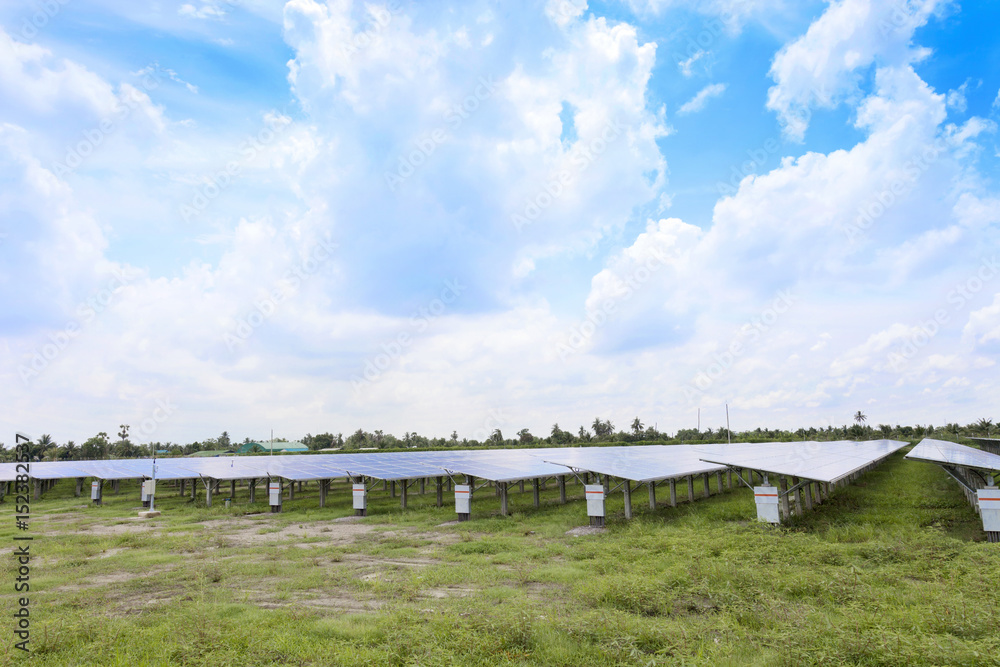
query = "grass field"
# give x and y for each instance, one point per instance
(891, 571)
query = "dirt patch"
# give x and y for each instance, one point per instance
(448, 592)
(241, 534)
(585, 530)
(98, 580)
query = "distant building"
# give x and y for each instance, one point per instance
(265, 447)
(213, 452)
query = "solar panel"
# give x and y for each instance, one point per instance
(827, 462)
(514, 472)
(647, 463)
(950, 453)
(8, 472)
(399, 466)
(55, 470)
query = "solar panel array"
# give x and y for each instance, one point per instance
(951, 453)
(819, 461)
(827, 462)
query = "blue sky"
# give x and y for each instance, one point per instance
(419, 216)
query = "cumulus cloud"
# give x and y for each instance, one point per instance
(822, 68)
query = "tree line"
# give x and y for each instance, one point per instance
(601, 431)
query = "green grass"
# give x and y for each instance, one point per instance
(890, 571)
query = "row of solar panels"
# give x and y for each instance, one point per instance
(817, 461)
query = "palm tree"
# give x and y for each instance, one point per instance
(860, 418)
(636, 427)
(44, 444)
(70, 451)
(985, 425)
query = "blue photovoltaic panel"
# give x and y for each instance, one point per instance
(56, 470)
(950, 453)
(8, 472)
(818, 461)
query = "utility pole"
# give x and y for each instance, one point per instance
(729, 435)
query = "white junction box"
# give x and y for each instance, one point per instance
(274, 493)
(95, 490)
(766, 498)
(147, 489)
(989, 508)
(595, 499)
(360, 497)
(463, 499)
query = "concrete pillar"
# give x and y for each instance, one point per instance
(323, 485)
(38, 489)
(798, 497)
(807, 497)
(183, 487)
(503, 498)
(718, 482)
(534, 490)
(79, 487)
(194, 488)
(440, 490)
(729, 479)
(114, 487)
(652, 495)
(783, 492)
(208, 493)
(673, 493)
(521, 486)
(252, 484)
(422, 480)
(562, 488)
(402, 493)
(392, 485)
(232, 489)
(690, 479)
(450, 484)
(704, 478)
(628, 499)
(291, 491)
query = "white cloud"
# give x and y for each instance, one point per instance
(698, 102)
(821, 68)
(956, 98)
(685, 65)
(983, 328)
